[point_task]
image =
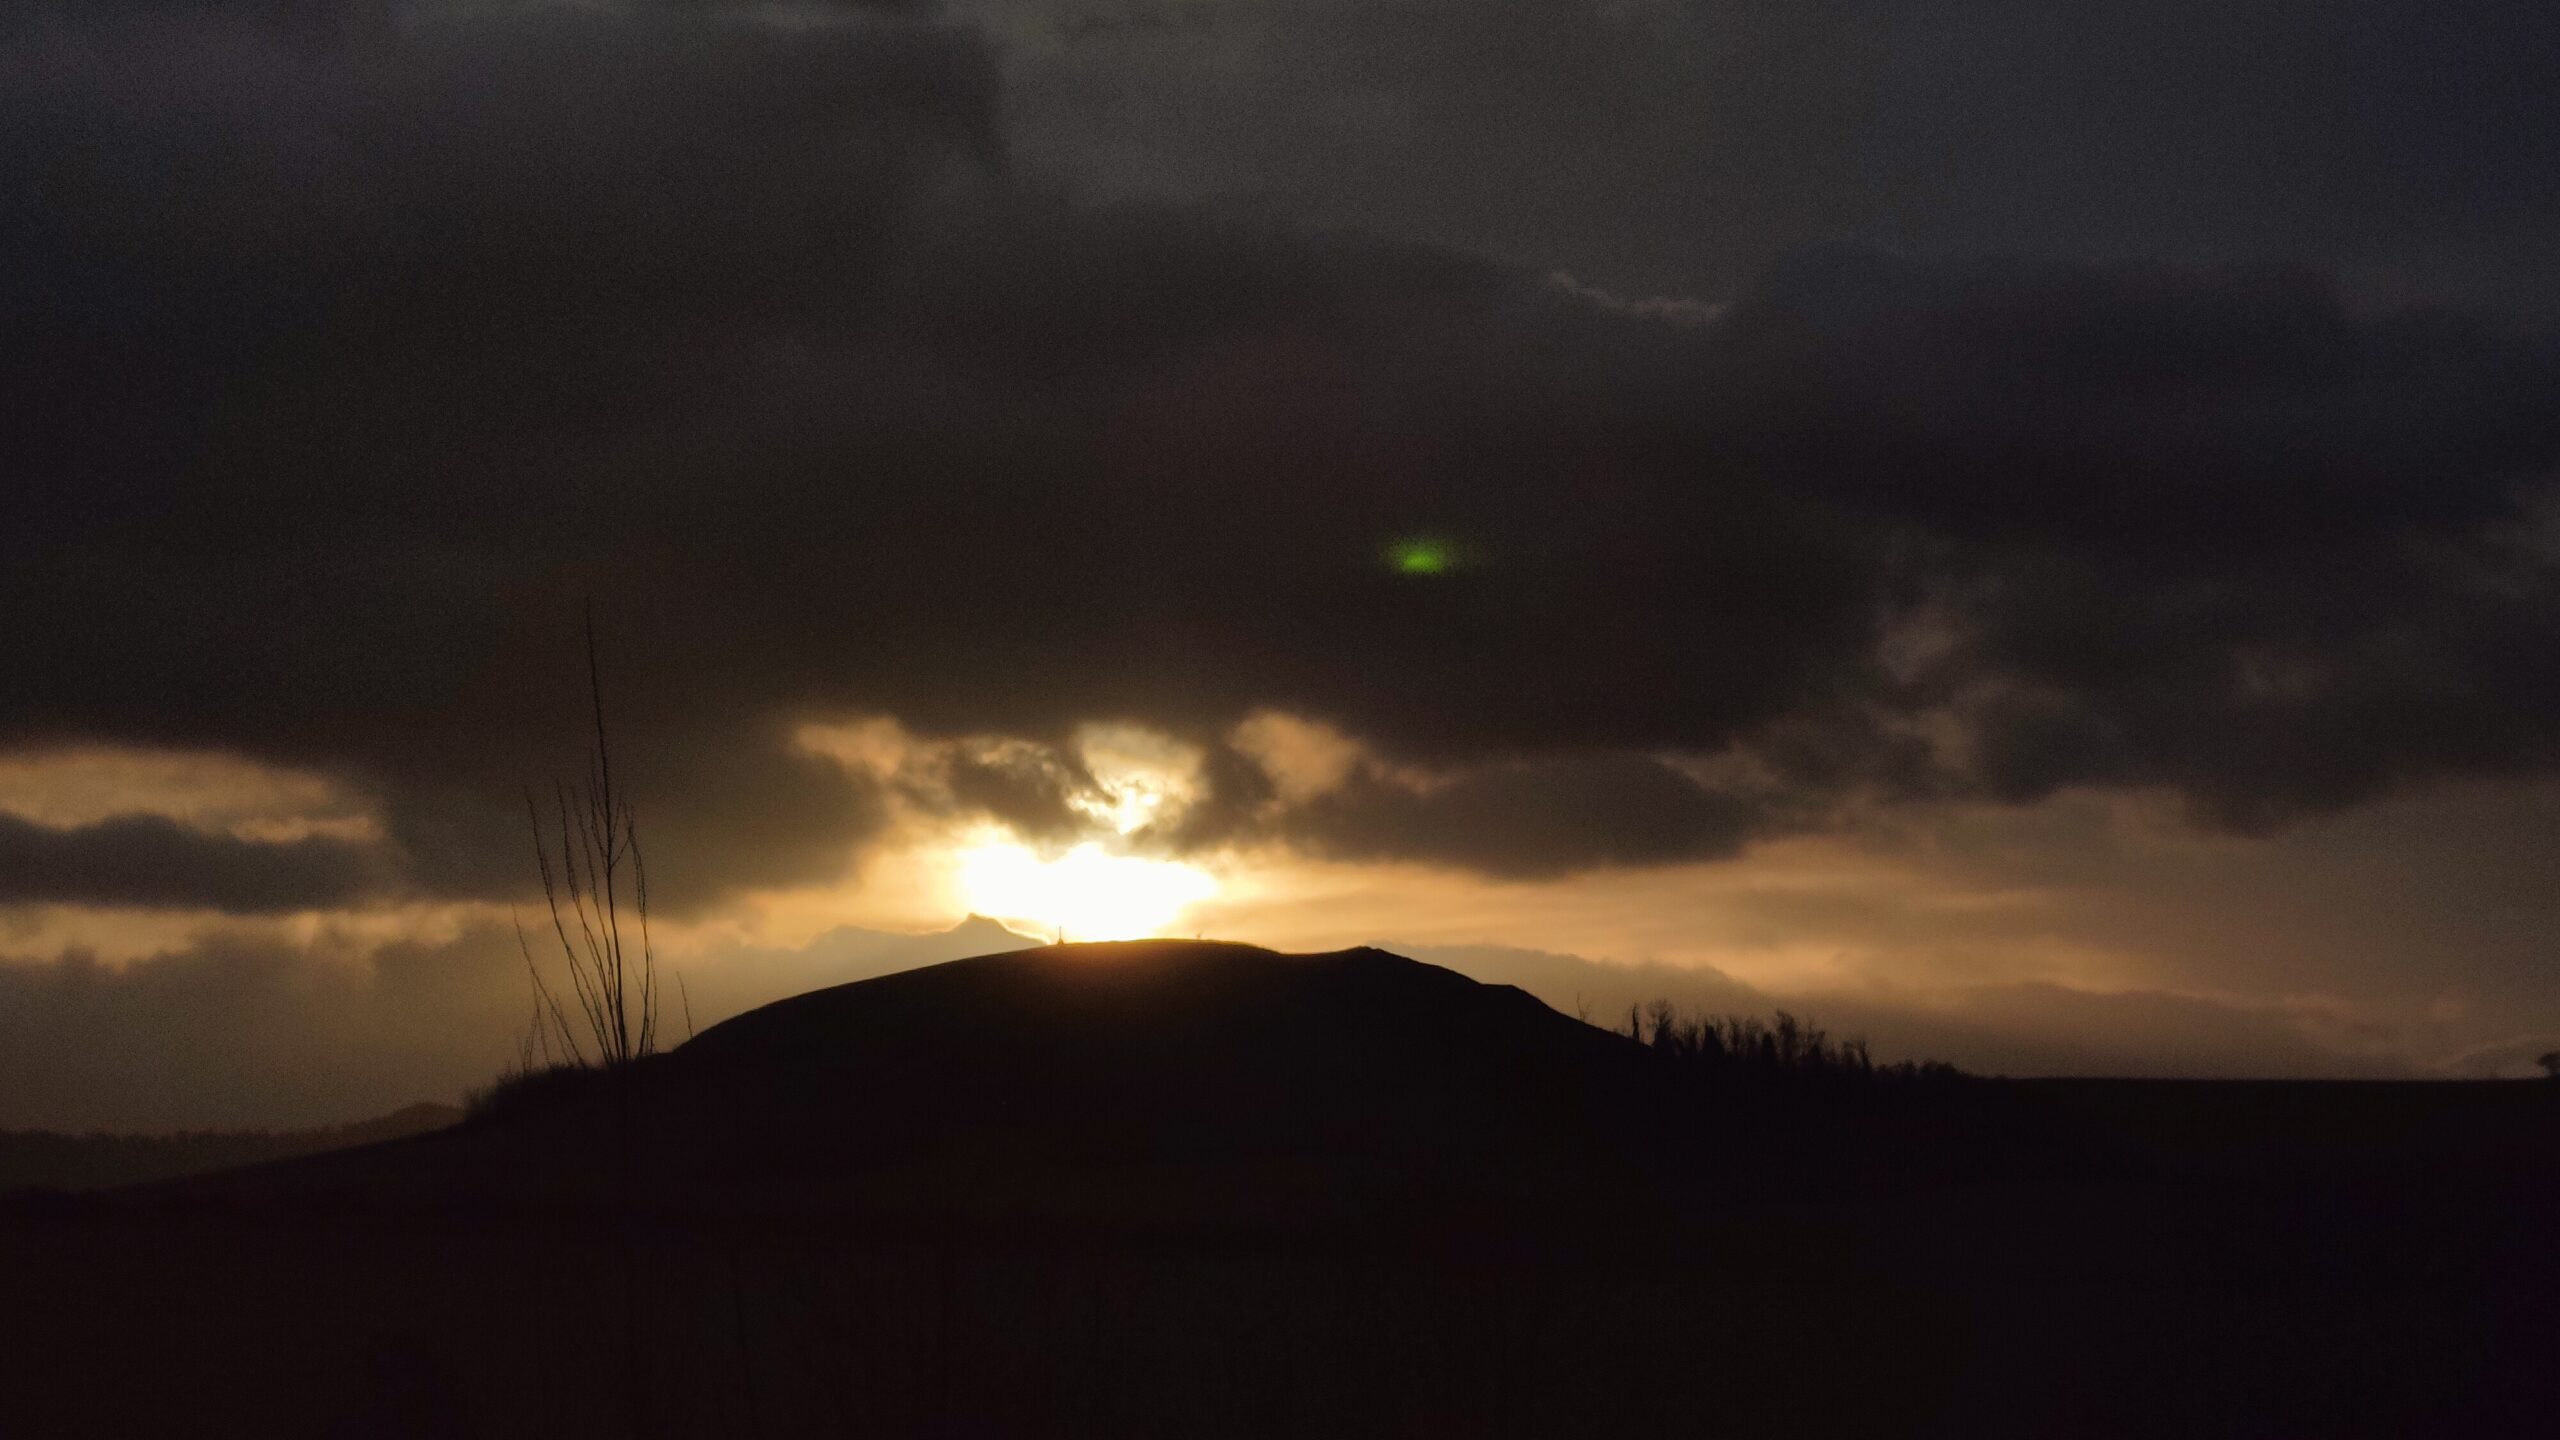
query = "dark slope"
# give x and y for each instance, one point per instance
(1192, 1190)
(49, 1160)
(1094, 1081)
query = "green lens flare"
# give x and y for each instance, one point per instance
(1420, 557)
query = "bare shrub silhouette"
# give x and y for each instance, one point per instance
(595, 886)
(593, 877)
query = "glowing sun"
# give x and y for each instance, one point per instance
(1085, 894)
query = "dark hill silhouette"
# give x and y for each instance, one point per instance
(1166, 1054)
(1092, 1080)
(1184, 1189)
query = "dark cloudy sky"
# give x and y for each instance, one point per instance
(2028, 526)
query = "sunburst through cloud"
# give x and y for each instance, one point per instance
(1085, 893)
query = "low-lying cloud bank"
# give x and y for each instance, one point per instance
(2001, 1029)
(256, 1029)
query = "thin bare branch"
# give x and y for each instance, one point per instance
(592, 872)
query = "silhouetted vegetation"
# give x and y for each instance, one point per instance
(593, 876)
(536, 1088)
(1747, 1047)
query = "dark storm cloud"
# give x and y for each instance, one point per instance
(349, 366)
(326, 346)
(2136, 408)
(148, 861)
(1530, 820)
(1678, 146)
(2209, 530)
(1031, 791)
(2305, 686)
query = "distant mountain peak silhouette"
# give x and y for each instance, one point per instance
(975, 924)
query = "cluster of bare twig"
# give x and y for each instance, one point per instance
(595, 884)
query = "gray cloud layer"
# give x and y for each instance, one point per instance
(151, 861)
(351, 358)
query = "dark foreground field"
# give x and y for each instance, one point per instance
(1206, 1192)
